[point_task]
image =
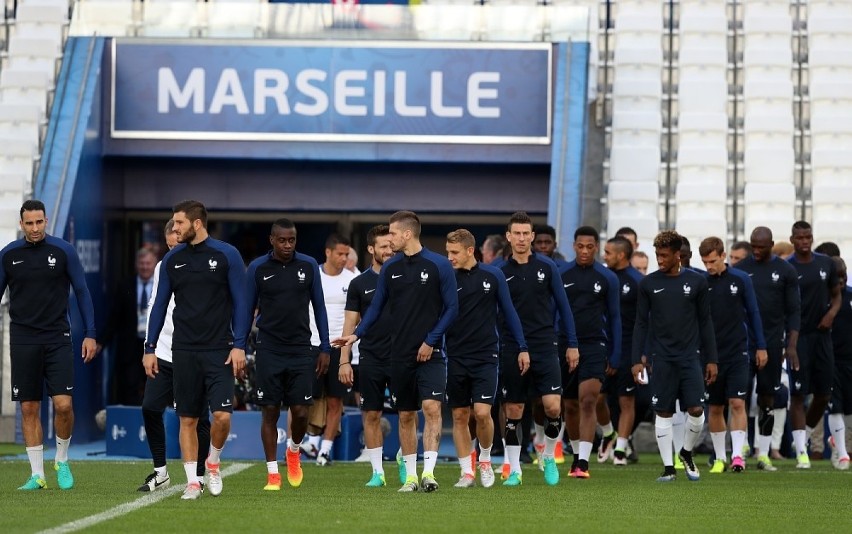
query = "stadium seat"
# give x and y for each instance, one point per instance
(634, 163)
(767, 25)
(16, 156)
(23, 87)
(14, 182)
(703, 63)
(701, 199)
(171, 18)
(767, 64)
(36, 20)
(769, 165)
(107, 17)
(703, 96)
(703, 25)
(830, 66)
(646, 227)
(35, 55)
(638, 63)
(640, 199)
(233, 19)
(18, 121)
(831, 167)
(632, 95)
(832, 131)
(451, 22)
(702, 129)
(702, 164)
(829, 32)
(696, 229)
(772, 205)
(639, 25)
(830, 98)
(512, 22)
(768, 131)
(637, 129)
(768, 97)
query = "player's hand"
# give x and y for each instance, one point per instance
(826, 322)
(792, 354)
(322, 363)
(637, 369)
(610, 370)
(762, 357)
(572, 356)
(149, 362)
(710, 373)
(90, 349)
(524, 362)
(346, 375)
(344, 341)
(424, 353)
(237, 360)
(99, 348)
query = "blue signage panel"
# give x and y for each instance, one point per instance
(393, 92)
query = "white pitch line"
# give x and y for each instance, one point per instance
(126, 508)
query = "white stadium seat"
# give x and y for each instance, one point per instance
(702, 164)
(638, 129)
(701, 199)
(831, 130)
(768, 97)
(769, 165)
(831, 167)
(771, 205)
(768, 130)
(640, 199)
(634, 163)
(636, 95)
(703, 96)
(703, 25)
(638, 63)
(702, 129)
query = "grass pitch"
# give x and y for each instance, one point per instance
(334, 499)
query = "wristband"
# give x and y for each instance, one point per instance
(344, 363)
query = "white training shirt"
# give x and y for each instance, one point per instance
(334, 290)
(164, 343)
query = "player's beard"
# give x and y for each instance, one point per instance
(188, 236)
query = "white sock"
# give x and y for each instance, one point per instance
(621, 444)
(549, 446)
(484, 454)
(326, 446)
(800, 442)
(663, 431)
(738, 438)
(62, 449)
(214, 455)
(778, 427)
(294, 447)
(513, 453)
(410, 465)
(838, 432)
(314, 440)
(678, 422)
(466, 465)
(272, 467)
(585, 450)
(719, 446)
(36, 456)
(575, 446)
(606, 429)
(190, 468)
(162, 472)
(539, 437)
(694, 426)
(763, 444)
(376, 460)
(430, 458)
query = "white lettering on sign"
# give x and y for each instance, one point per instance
(89, 251)
(313, 91)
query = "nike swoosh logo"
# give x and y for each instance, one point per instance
(800, 276)
(776, 388)
(459, 289)
(395, 276)
(368, 291)
(751, 274)
(434, 393)
(179, 266)
(265, 278)
(486, 396)
(658, 290)
(17, 262)
(69, 388)
(309, 397)
(554, 388)
(569, 285)
(226, 404)
(630, 389)
(510, 278)
(741, 392)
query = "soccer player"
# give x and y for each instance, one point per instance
(545, 243)
(419, 287)
(492, 248)
(537, 294)
(374, 349)
(617, 252)
(841, 399)
(335, 280)
(472, 352)
(207, 278)
(282, 285)
(639, 261)
(159, 391)
(39, 270)
(733, 306)
(593, 291)
(776, 287)
(629, 234)
(740, 250)
(819, 286)
(675, 327)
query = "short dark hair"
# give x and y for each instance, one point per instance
(626, 230)
(376, 231)
(669, 239)
(283, 223)
(587, 231)
(711, 244)
(801, 225)
(495, 243)
(742, 245)
(545, 229)
(623, 244)
(170, 225)
(193, 209)
(336, 239)
(32, 205)
(519, 217)
(463, 237)
(829, 248)
(408, 219)
(684, 242)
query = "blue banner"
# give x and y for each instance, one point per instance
(392, 92)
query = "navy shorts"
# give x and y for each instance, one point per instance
(33, 366)
(678, 379)
(731, 381)
(841, 396)
(159, 391)
(768, 378)
(592, 366)
(471, 379)
(373, 379)
(625, 385)
(816, 365)
(201, 378)
(413, 382)
(329, 385)
(544, 376)
(286, 379)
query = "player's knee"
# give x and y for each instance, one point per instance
(372, 417)
(482, 413)
(737, 406)
(461, 416)
(695, 411)
(62, 407)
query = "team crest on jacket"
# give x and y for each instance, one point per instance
(597, 287)
(687, 289)
(734, 289)
(486, 286)
(822, 275)
(300, 274)
(540, 276)
(51, 261)
(212, 263)
(424, 277)
(775, 277)
(625, 289)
